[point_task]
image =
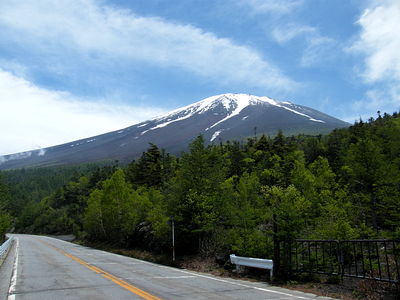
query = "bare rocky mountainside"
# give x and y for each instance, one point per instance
(218, 118)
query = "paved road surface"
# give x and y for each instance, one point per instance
(47, 268)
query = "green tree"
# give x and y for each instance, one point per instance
(367, 170)
(152, 169)
(5, 223)
(247, 231)
(289, 208)
(193, 195)
(5, 218)
(112, 211)
(235, 159)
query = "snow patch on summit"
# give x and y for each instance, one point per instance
(241, 102)
(169, 122)
(232, 103)
(301, 114)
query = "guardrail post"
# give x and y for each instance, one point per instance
(277, 254)
(340, 259)
(171, 222)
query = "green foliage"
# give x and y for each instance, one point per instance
(246, 217)
(193, 193)
(5, 218)
(152, 169)
(109, 215)
(118, 213)
(34, 184)
(157, 216)
(5, 223)
(251, 242)
(231, 198)
(289, 208)
(4, 194)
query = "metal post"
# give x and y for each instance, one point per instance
(173, 239)
(277, 255)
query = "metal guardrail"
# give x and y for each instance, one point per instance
(4, 248)
(253, 262)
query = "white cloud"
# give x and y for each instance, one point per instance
(384, 100)
(379, 43)
(92, 30)
(279, 7)
(14, 67)
(379, 40)
(319, 49)
(284, 34)
(32, 117)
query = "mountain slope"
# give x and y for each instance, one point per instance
(223, 117)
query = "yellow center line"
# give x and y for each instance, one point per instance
(108, 276)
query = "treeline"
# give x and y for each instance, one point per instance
(33, 184)
(5, 217)
(230, 197)
(26, 187)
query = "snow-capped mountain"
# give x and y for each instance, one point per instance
(218, 118)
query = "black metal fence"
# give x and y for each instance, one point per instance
(367, 259)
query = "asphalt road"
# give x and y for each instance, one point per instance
(47, 268)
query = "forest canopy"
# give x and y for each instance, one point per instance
(224, 198)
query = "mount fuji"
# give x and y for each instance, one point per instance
(217, 118)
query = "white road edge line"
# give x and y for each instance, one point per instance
(213, 278)
(245, 285)
(207, 277)
(11, 290)
(216, 279)
(174, 277)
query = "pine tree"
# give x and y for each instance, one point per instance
(5, 218)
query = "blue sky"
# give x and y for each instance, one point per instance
(70, 69)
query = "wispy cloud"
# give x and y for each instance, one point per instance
(376, 99)
(284, 34)
(379, 40)
(279, 7)
(317, 48)
(97, 33)
(379, 44)
(32, 117)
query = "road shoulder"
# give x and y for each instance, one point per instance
(6, 270)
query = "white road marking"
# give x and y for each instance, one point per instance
(207, 277)
(229, 282)
(11, 290)
(174, 277)
(111, 263)
(245, 285)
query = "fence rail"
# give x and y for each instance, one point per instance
(367, 259)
